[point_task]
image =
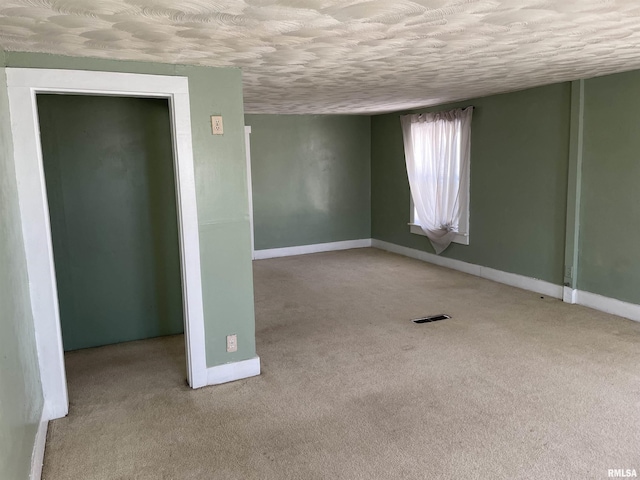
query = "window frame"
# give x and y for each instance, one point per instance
(462, 236)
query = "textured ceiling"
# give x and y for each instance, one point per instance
(345, 56)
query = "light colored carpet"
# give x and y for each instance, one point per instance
(514, 386)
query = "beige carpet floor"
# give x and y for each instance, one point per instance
(514, 386)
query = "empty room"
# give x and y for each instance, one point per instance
(319, 239)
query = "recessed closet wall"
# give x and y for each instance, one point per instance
(108, 165)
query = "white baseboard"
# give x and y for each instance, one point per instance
(230, 372)
(569, 295)
(37, 456)
(606, 304)
(316, 248)
(513, 279)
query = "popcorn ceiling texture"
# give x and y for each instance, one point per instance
(337, 56)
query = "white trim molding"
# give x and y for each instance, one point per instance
(230, 372)
(606, 304)
(316, 248)
(23, 86)
(247, 148)
(37, 455)
(569, 295)
(513, 279)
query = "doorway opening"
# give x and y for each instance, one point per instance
(108, 168)
(23, 87)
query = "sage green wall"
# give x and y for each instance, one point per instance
(21, 398)
(609, 257)
(111, 191)
(221, 191)
(311, 178)
(519, 158)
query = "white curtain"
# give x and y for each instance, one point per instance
(437, 149)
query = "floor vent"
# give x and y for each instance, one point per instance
(432, 318)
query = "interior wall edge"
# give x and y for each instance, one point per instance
(574, 185)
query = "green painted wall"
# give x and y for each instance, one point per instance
(311, 178)
(519, 155)
(111, 190)
(609, 256)
(21, 398)
(221, 192)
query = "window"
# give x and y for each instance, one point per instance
(437, 153)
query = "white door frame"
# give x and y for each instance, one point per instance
(247, 147)
(23, 85)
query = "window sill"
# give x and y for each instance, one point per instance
(460, 238)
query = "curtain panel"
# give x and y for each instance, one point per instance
(437, 148)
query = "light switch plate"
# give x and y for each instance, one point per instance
(216, 125)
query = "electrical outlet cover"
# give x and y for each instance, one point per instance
(216, 125)
(232, 343)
